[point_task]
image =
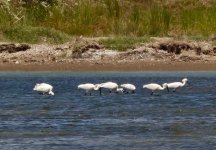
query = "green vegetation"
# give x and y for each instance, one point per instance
(56, 20)
(35, 34)
(123, 43)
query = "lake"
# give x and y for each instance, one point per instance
(185, 119)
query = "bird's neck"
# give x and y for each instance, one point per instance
(163, 87)
(183, 83)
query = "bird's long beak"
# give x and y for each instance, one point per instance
(167, 88)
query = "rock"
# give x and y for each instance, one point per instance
(53, 58)
(5, 61)
(94, 45)
(12, 48)
(206, 48)
(198, 50)
(174, 47)
(78, 51)
(207, 52)
(214, 49)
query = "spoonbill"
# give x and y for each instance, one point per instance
(119, 90)
(155, 87)
(44, 88)
(176, 85)
(111, 86)
(129, 87)
(88, 87)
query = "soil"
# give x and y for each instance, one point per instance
(161, 54)
(117, 66)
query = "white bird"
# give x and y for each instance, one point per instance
(88, 87)
(129, 87)
(111, 86)
(119, 90)
(155, 87)
(44, 88)
(176, 85)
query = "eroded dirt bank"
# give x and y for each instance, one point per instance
(162, 54)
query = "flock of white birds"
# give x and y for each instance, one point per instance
(114, 87)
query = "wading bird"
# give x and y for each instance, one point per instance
(176, 85)
(155, 87)
(44, 88)
(88, 87)
(111, 86)
(129, 88)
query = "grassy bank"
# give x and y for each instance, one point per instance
(56, 21)
(123, 43)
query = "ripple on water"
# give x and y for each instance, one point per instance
(69, 120)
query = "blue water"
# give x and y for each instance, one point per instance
(185, 119)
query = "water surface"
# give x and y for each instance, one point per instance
(185, 119)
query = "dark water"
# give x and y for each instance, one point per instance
(69, 120)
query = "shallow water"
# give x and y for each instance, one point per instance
(185, 119)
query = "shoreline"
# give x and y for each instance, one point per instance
(114, 66)
(162, 54)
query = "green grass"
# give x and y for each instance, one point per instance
(198, 21)
(35, 34)
(123, 43)
(134, 18)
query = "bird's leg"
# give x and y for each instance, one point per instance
(125, 91)
(90, 93)
(86, 93)
(152, 92)
(133, 92)
(100, 90)
(116, 91)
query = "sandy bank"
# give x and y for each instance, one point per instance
(161, 54)
(117, 66)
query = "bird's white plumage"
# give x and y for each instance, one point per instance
(87, 86)
(129, 87)
(109, 85)
(120, 90)
(155, 87)
(112, 86)
(44, 88)
(175, 85)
